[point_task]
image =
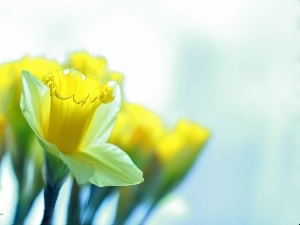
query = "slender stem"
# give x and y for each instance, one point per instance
(96, 198)
(55, 173)
(74, 209)
(129, 198)
(19, 214)
(28, 192)
(148, 213)
(23, 207)
(50, 197)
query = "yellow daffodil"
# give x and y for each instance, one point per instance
(5, 85)
(21, 134)
(6, 81)
(136, 131)
(88, 64)
(12, 71)
(96, 66)
(136, 127)
(174, 154)
(11, 81)
(184, 142)
(177, 151)
(72, 116)
(18, 135)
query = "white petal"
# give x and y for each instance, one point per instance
(112, 166)
(79, 166)
(104, 119)
(31, 99)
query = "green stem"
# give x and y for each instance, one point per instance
(20, 213)
(148, 213)
(23, 207)
(74, 209)
(50, 197)
(129, 198)
(28, 192)
(56, 173)
(96, 198)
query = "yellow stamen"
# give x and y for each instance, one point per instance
(73, 99)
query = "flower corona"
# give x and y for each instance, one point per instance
(73, 98)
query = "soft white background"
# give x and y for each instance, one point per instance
(232, 66)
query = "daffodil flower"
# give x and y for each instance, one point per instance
(72, 116)
(96, 66)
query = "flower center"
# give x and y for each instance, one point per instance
(73, 100)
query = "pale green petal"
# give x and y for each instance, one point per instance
(104, 119)
(111, 166)
(52, 148)
(30, 103)
(31, 98)
(81, 168)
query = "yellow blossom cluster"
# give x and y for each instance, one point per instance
(139, 130)
(73, 111)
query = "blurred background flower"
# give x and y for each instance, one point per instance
(231, 65)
